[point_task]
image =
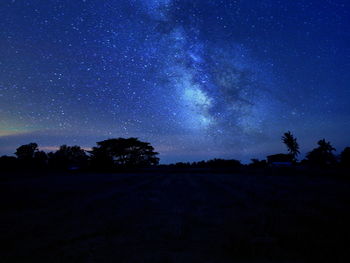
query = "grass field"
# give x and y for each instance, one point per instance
(177, 217)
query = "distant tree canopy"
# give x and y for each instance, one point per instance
(291, 142)
(122, 152)
(29, 156)
(322, 155)
(27, 151)
(68, 157)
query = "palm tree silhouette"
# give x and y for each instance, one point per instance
(291, 143)
(325, 146)
(322, 155)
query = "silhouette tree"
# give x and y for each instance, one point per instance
(26, 152)
(345, 157)
(29, 156)
(123, 152)
(291, 142)
(322, 155)
(68, 157)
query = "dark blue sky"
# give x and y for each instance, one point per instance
(198, 79)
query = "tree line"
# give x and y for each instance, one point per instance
(322, 156)
(124, 153)
(107, 155)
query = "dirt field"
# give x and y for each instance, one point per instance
(175, 218)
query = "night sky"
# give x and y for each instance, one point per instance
(197, 79)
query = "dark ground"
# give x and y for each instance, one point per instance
(172, 218)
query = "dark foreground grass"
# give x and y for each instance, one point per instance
(175, 217)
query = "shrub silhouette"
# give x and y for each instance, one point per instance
(182, 165)
(121, 152)
(222, 163)
(213, 163)
(256, 163)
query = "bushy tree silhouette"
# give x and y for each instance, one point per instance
(27, 151)
(68, 157)
(123, 152)
(291, 142)
(29, 156)
(322, 155)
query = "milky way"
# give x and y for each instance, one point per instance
(198, 79)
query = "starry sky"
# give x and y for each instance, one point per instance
(198, 79)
